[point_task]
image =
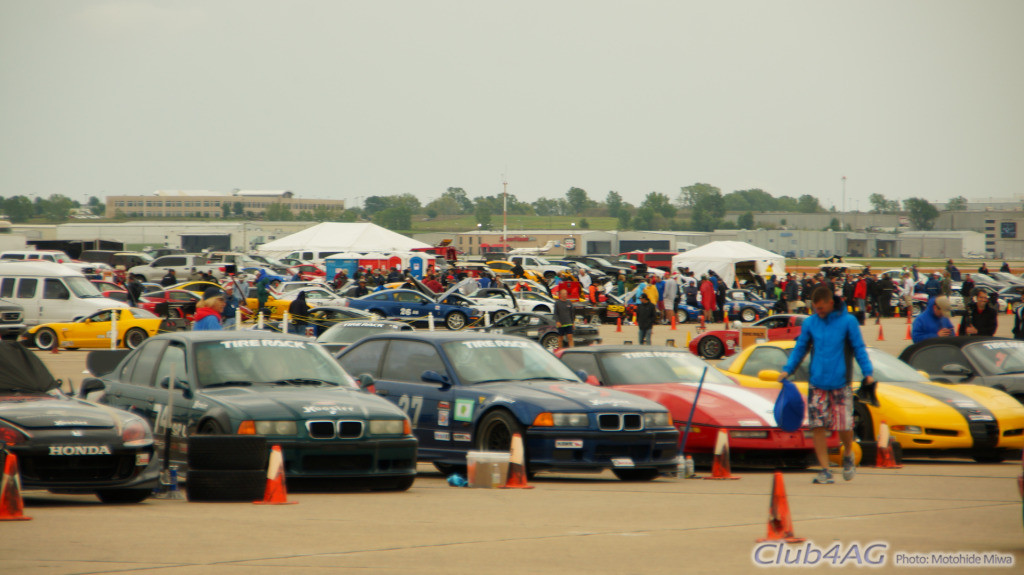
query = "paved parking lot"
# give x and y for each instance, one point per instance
(567, 524)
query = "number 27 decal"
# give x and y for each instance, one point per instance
(412, 406)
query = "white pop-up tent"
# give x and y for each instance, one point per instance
(341, 237)
(725, 257)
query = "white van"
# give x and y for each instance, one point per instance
(50, 292)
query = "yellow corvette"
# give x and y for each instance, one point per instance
(954, 419)
(133, 327)
(315, 297)
(503, 269)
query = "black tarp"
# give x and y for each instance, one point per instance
(21, 370)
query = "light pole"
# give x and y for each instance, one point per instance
(844, 204)
(478, 236)
(572, 236)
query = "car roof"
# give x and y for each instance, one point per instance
(446, 336)
(622, 347)
(956, 341)
(222, 335)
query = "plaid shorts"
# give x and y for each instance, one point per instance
(830, 408)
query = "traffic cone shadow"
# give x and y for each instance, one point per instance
(276, 494)
(11, 505)
(517, 466)
(721, 467)
(780, 524)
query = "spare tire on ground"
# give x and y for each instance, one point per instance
(227, 453)
(225, 485)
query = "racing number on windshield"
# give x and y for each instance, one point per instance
(412, 406)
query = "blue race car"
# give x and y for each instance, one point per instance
(473, 391)
(408, 305)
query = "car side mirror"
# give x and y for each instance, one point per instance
(178, 384)
(431, 376)
(768, 375)
(956, 369)
(89, 385)
(365, 380)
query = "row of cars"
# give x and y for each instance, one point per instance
(395, 396)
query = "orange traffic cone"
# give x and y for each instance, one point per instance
(703, 326)
(1009, 308)
(673, 322)
(55, 348)
(517, 466)
(885, 458)
(897, 314)
(11, 506)
(725, 317)
(720, 467)
(618, 323)
(908, 337)
(881, 335)
(909, 313)
(780, 524)
(275, 493)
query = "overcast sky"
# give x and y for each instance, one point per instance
(342, 99)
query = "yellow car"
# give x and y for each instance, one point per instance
(315, 297)
(133, 327)
(503, 269)
(980, 422)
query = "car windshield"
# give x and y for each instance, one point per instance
(350, 332)
(266, 360)
(82, 287)
(887, 368)
(997, 357)
(481, 361)
(640, 367)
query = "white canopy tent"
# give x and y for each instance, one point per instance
(341, 237)
(724, 257)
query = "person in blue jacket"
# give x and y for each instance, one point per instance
(831, 331)
(933, 321)
(209, 310)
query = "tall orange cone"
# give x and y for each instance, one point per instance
(673, 322)
(703, 326)
(908, 337)
(720, 467)
(11, 506)
(897, 314)
(275, 493)
(618, 323)
(885, 458)
(517, 466)
(780, 524)
(881, 335)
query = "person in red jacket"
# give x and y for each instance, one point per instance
(707, 298)
(860, 294)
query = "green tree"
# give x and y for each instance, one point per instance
(239, 208)
(808, 204)
(57, 207)
(346, 216)
(755, 200)
(584, 224)
(660, 204)
(482, 213)
(306, 216)
(643, 219)
(459, 196)
(225, 210)
(445, 205)
(624, 219)
(395, 218)
(578, 201)
(881, 205)
(614, 202)
(957, 204)
(18, 208)
(834, 225)
(745, 221)
(706, 205)
(921, 213)
(546, 207)
(374, 204)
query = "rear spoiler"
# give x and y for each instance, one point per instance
(103, 361)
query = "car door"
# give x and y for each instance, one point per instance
(506, 325)
(931, 359)
(56, 303)
(133, 388)
(428, 404)
(93, 331)
(25, 296)
(174, 361)
(416, 305)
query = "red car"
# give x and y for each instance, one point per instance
(182, 302)
(308, 272)
(670, 376)
(724, 342)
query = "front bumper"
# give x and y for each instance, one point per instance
(12, 330)
(587, 450)
(354, 458)
(122, 468)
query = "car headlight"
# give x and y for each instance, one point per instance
(570, 419)
(660, 419)
(276, 428)
(910, 429)
(136, 433)
(390, 427)
(748, 434)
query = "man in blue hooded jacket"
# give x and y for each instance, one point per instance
(933, 321)
(831, 331)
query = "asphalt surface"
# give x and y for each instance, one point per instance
(566, 524)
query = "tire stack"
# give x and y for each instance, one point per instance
(226, 467)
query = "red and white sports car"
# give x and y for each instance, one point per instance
(725, 342)
(670, 376)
